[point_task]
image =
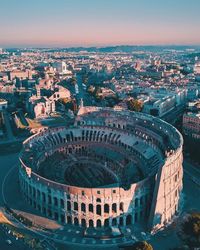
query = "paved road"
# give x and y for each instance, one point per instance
(6, 164)
(15, 245)
(82, 93)
(9, 132)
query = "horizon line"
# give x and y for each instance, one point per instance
(94, 46)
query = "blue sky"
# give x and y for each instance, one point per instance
(98, 22)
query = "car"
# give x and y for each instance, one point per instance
(9, 242)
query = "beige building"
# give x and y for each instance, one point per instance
(191, 124)
(112, 168)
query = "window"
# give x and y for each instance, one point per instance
(122, 206)
(98, 209)
(90, 208)
(98, 192)
(114, 207)
(106, 208)
(114, 191)
(82, 207)
(76, 206)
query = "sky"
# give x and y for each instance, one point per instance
(67, 23)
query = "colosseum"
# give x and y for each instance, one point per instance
(111, 168)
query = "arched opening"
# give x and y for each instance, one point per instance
(106, 208)
(141, 200)
(91, 208)
(49, 213)
(121, 206)
(98, 223)
(49, 199)
(98, 210)
(68, 206)
(56, 216)
(141, 215)
(114, 207)
(136, 217)
(83, 223)
(91, 223)
(82, 207)
(136, 202)
(128, 220)
(121, 221)
(44, 210)
(76, 221)
(38, 193)
(114, 222)
(55, 201)
(69, 220)
(106, 223)
(75, 206)
(62, 218)
(62, 203)
(43, 197)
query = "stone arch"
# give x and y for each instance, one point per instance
(75, 206)
(98, 200)
(56, 216)
(98, 209)
(121, 221)
(114, 207)
(68, 206)
(55, 199)
(106, 223)
(69, 220)
(136, 217)
(141, 200)
(76, 221)
(114, 222)
(83, 207)
(106, 208)
(121, 206)
(136, 202)
(91, 208)
(83, 222)
(91, 223)
(98, 223)
(62, 203)
(128, 219)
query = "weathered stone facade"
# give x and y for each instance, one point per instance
(137, 163)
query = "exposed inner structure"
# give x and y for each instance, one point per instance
(112, 168)
(92, 158)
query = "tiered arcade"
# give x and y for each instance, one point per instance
(112, 168)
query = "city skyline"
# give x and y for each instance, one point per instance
(98, 23)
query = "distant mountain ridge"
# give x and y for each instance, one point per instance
(118, 48)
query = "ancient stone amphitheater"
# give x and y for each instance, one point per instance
(112, 168)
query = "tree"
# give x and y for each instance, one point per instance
(73, 80)
(190, 230)
(91, 89)
(140, 245)
(135, 105)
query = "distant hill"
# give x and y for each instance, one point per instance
(112, 49)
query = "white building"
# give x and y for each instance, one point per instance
(3, 104)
